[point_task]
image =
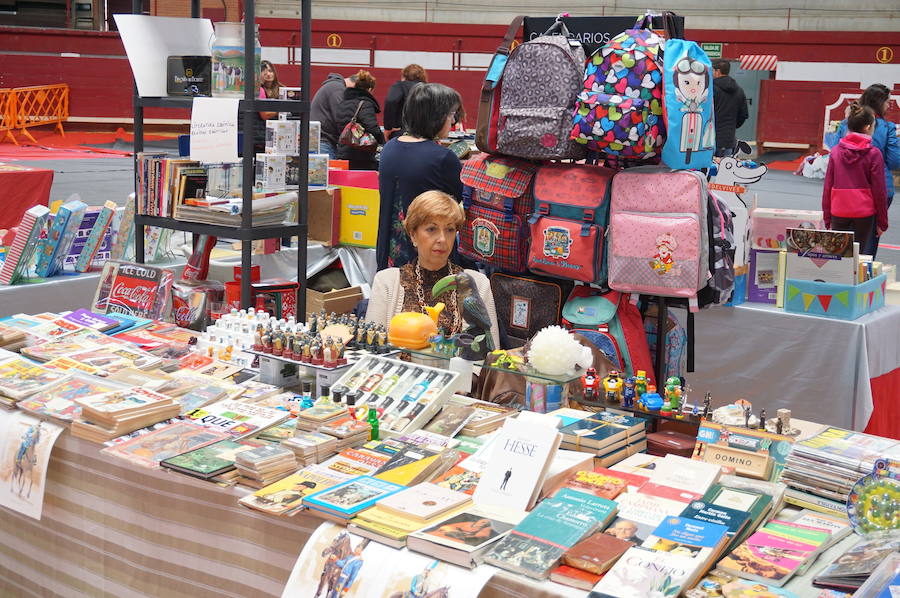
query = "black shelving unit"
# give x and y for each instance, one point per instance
(248, 106)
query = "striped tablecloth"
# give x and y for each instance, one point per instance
(113, 530)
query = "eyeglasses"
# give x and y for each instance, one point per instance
(686, 65)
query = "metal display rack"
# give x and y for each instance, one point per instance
(248, 106)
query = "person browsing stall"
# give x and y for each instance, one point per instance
(431, 223)
(854, 197)
(324, 108)
(414, 163)
(877, 97)
(359, 101)
(412, 75)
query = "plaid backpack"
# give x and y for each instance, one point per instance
(498, 198)
(619, 110)
(540, 83)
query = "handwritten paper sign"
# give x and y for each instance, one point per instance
(214, 130)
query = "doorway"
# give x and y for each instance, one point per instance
(749, 82)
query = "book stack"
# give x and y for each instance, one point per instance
(451, 419)
(20, 378)
(262, 466)
(57, 401)
(11, 338)
(110, 415)
(211, 460)
(411, 464)
(610, 436)
(354, 462)
(348, 430)
(775, 552)
(285, 497)
(669, 561)
(278, 434)
(486, 418)
(311, 447)
(394, 517)
(821, 470)
(324, 412)
(344, 501)
(535, 546)
(235, 418)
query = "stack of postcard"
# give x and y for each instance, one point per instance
(110, 415)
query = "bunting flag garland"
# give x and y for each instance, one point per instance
(807, 301)
(843, 297)
(792, 292)
(825, 300)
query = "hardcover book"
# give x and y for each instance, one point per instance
(574, 577)
(515, 474)
(603, 429)
(210, 460)
(685, 474)
(535, 546)
(53, 250)
(21, 250)
(596, 553)
(450, 420)
(348, 498)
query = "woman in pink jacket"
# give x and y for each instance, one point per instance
(855, 197)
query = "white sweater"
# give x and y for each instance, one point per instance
(386, 298)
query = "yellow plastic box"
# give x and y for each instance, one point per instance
(359, 216)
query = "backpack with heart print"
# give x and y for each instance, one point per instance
(620, 109)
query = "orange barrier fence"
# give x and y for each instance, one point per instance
(24, 107)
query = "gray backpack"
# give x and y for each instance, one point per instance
(542, 79)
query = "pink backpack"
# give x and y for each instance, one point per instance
(658, 234)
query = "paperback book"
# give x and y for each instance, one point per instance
(349, 498)
(535, 546)
(235, 418)
(210, 460)
(286, 495)
(149, 449)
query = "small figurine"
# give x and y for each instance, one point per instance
(706, 405)
(370, 337)
(590, 384)
(747, 413)
(315, 352)
(329, 354)
(360, 336)
(640, 383)
(381, 341)
(628, 392)
(762, 419)
(784, 416)
(673, 394)
(650, 400)
(612, 387)
(339, 348)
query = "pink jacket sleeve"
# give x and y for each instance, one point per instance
(826, 192)
(879, 190)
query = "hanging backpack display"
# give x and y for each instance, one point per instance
(540, 82)
(676, 342)
(619, 111)
(496, 231)
(720, 231)
(688, 106)
(489, 106)
(571, 208)
(613, 324)
(659, 236)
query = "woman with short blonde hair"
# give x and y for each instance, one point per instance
(432, 221)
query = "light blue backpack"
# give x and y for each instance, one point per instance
(688, 106)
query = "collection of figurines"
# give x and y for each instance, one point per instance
(634, 392)
(444, 344)
(307, 344)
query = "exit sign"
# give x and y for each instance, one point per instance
(713, 50)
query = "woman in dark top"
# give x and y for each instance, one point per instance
(360, 97)
(412, 75)
(414, 163)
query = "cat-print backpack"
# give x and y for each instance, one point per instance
(688, 106)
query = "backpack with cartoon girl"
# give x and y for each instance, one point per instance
(688, 106)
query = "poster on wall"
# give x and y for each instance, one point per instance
(25, 445)
(335, 562)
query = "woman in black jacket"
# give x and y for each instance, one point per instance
(360, 97)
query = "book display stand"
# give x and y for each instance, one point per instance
(249, 105)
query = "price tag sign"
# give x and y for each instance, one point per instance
(214, 130)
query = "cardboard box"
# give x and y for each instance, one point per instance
(324, 216)
(832, 300)
(768, 225)
(339, 301)
(359, 216)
